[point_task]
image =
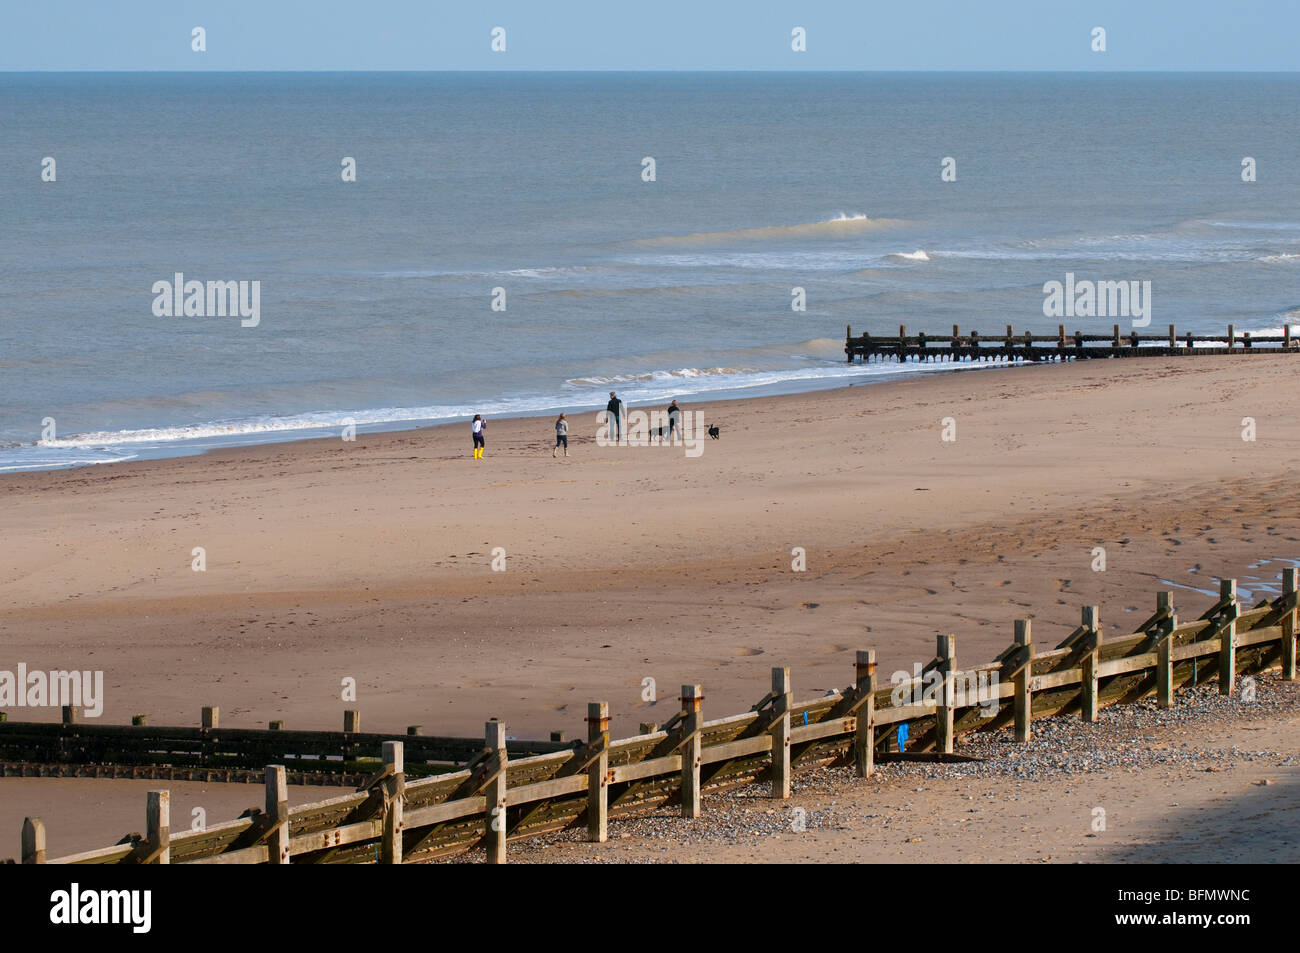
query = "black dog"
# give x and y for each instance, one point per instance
(715, 433)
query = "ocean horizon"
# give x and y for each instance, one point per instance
(503, 251)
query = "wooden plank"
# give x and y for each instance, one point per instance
(864, 740)
(446, 811)
(782, 701)
(495, 817)
(1289, 603)
(277, 813)
(33, 841)
(357, 832)
(651, 768)
(598, 773)
(1165, 667)
(890, 716)
(545, 790)
(158, 826)
(1260, 635)
(394, 788)
(829, 728)
(213, 839)
(1088, 676)
(692, 698)
(1024, 695)
(1228, 640)
(946, 650)
(1058, 679)
(102, 855)
(1130, 663)
(256, 854)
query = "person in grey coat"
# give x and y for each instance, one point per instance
(561, 436)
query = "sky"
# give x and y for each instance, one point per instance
(649, 35)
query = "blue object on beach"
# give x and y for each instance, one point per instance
(902, 736)
(805, 718)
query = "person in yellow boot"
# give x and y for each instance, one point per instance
(477, 429)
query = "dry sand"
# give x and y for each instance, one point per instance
(371, 560)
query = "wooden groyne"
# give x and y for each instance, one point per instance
(72, 747)
(974, 346)
(495, 799)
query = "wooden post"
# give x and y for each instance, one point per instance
(33, 840)
(1060, 335)
(1289, 624)
(71, 714)
(1092, 645)
(864, 739)
(139, 720)
(351, 721)
(1228, 639)
(394, 788)
(210, 716)
(1173, 337)
(1165, 664)
(277, 725)
(413, 730)
(1232, 337)
(494, 739)
(692, 729)
(598, 773)
(780, 731)
(943, 716)
(902, 333)
(1165, 601)
(158, 820)
(1286, 337)
(1024, 698)
(1115, 340)
(277, 815)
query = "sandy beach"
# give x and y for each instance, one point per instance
(371, 559)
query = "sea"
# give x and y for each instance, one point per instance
(524, 243)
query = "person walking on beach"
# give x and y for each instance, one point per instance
(476, 428)
(615, 409)
(674, 421)
(561, 436)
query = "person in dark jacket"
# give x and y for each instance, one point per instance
(674, 421)
(615, 409)
(476, 429)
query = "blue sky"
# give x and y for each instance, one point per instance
(656, 34)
